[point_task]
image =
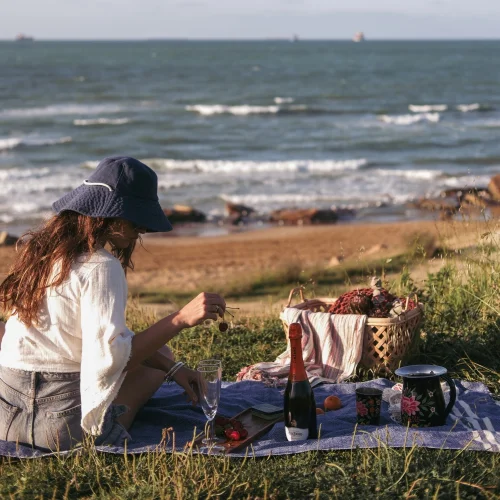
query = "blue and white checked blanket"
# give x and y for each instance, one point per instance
(474, 423)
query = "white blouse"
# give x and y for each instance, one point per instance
(81, 328)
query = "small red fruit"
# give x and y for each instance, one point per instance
(228, 432)
(234, 435)
(243, 433)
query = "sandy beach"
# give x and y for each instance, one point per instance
(190, 262)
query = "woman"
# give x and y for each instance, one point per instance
(69, 366)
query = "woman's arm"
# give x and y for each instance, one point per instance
(147, 343)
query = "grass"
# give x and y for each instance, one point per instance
(460, 331)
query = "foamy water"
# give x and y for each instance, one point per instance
(269, 124)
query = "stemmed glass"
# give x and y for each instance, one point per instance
(210, 386)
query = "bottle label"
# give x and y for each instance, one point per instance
(296, 434)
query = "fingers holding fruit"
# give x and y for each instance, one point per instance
(202, 307)
(223, 325)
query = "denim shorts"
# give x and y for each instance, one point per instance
(43, 411)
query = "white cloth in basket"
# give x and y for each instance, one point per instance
(332, 346)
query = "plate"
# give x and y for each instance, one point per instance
(255, 426)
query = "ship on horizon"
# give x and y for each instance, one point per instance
(24, 38)
(359, 37)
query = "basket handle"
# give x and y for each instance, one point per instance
(293, 291)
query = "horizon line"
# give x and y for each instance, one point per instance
(261, 39)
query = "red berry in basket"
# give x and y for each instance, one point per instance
(227, 432)
(243, 433)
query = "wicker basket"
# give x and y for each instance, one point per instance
(386, 341)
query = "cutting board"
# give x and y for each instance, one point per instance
(255, 426)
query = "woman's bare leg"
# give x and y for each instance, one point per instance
(139, 385)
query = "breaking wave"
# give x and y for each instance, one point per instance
(410, 119)
(61, 109)
(100, 121)
(32, 141)
(427, 108)
(229, 167)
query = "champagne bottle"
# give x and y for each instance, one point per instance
(299, 404)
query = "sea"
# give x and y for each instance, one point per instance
(271, 124)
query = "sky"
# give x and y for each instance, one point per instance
(249, 19)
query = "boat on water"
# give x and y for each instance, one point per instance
(359, 37)
(24, 38)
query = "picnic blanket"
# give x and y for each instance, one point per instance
(474, 423)
(332, 346)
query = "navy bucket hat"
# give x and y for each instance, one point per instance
(120, 187)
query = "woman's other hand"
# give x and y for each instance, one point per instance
(189, 380)
(204, 306)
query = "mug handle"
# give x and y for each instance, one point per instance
(453, 394)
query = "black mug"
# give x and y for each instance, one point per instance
(422, 402)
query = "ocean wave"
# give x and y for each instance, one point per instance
(27, 181)
(465, 108)
(410, 174)
(10, 143)
(283, 100)
(101, 121)
(12, 174)
(241, 110)
(32, 141)
(90, 164)
(45, 141)
(60, 109)
(410, 119)
(427, 108)
(230, 167)
(489, 124)
(467, 181)
(335, 200)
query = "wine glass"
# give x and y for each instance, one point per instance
(210, 384)
(210, 362)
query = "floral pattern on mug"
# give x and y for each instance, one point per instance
(409, 405)
(368, 407)
(361, 408)
(418, 409)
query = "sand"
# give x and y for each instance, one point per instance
(188, 262)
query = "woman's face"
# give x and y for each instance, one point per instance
(124, 233)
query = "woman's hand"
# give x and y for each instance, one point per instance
(204, 306)
(189, 380)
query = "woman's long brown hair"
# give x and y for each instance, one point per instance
(60, 240)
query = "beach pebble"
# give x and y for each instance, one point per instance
(7, 239)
